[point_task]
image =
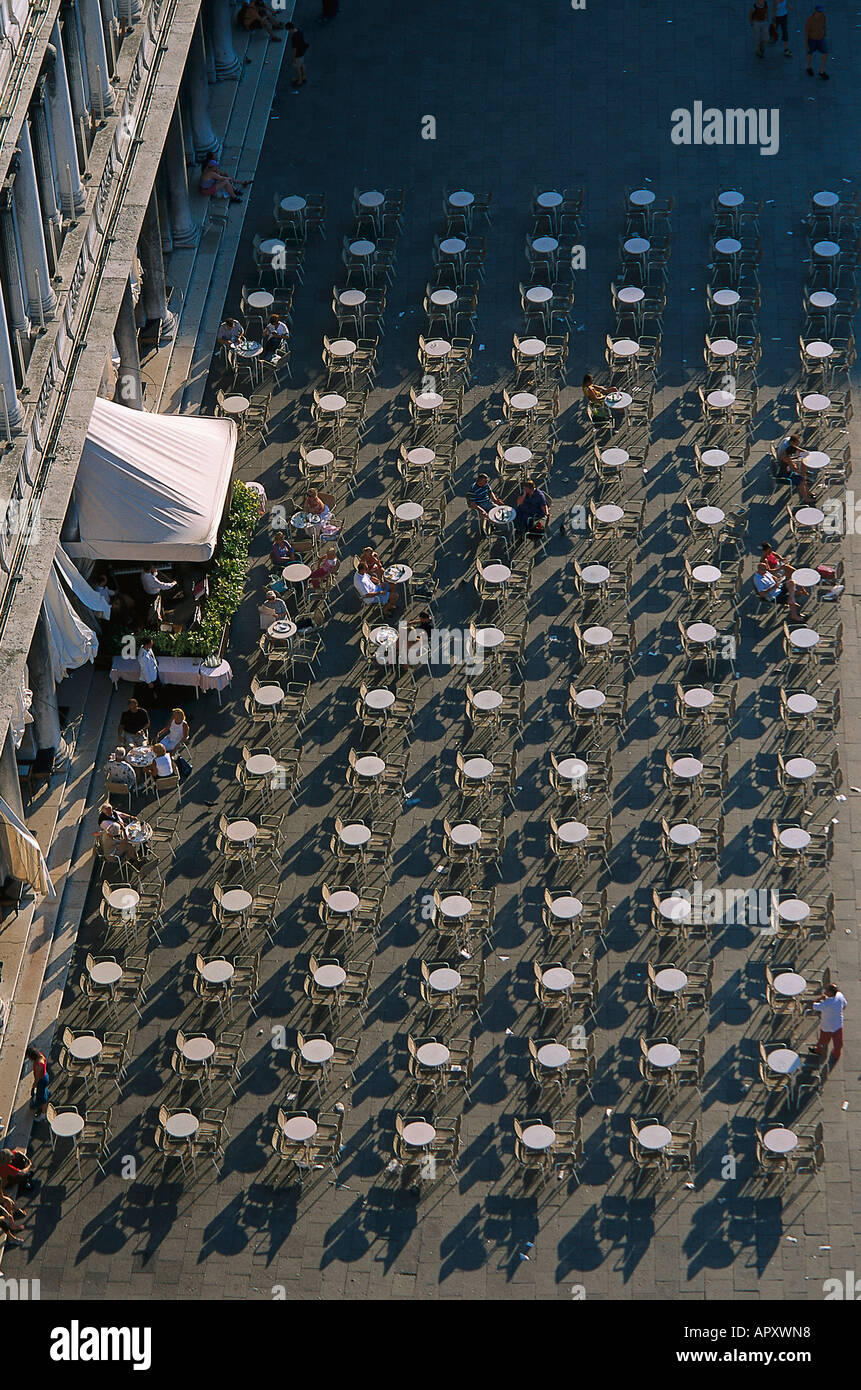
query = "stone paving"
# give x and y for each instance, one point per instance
(515, 95)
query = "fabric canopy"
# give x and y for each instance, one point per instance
(70, 641)
(22, 853)
(78, 584)
(150, 487)
(20, 717)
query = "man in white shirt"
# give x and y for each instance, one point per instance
(148, 664)
(371, 592)
(275, 335)
(118, 770)
(152, 585)
(831, 1008)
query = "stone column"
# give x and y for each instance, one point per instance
(185, 230)
(40, 298)
(76, 72)
(160, 190)
(129, 12)
(109, 21)
(153, 288)
(8, 396)
(44, 160)
(95, 57)
(71, 191)
(129, 391)
(46, 719)
(17, 309)
(187, 133)
(205, 138)
(218, 17)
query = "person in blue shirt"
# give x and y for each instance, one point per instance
(481, 496)
(530, 509)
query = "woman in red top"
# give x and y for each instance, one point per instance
(39, 1093)
(770, 556)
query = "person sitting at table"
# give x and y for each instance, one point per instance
(118, 770)
(152, 585)
(596, 402)
(254, 14)
(481, 496)
(531, 510)
(175, 734)
(282, 550)
(162, 764)
(326, 568)
(216, 184)
(370, 592)
(271, 609)
(790, 465)
(315, 506)
(230, 333)
(373, 564)
(134, 725)
(774, 589)
(112, 834)
(275, 334)
(770, 556)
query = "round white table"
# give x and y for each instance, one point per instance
(373, 198)
(198, 1049)
(590, 699)
(572, 832)
(789, 985)
(67, 1125)
(731, 198)
(597, 636)
(271, 246)
(455, 906)
(780, 1141)
(516, 453)
(369, 766)
(815, 459)
(486, 700)
(783, 1061)
(523, 401)
(299, 1128)
(624, 347)
(637, 246)
(330, 976)
(239, 832)
(826, 249)
(354, 835)
(641, 197)
(826, 199)
(800, 703)
(728, 246)
(818, 350)
(800, 768)
(549, 199)
(477, 769)
(553, 1055)
(710, 516)
(318, 1051)
(794, 837)
(670, 981)
(557, 979)
(380, 699)
(531, 347)
(630, 294)
(282, 630)
(723, 347)
(539, 1137)
(614, 458)
(260, 300)
(433, 1054)
(698, 697)
(217, 972)
(418, 1134)
(816, 402)
(443, 299)
(293, 203)
(341, 347)
(235, 404)
(595, 574)
(444, 980)
(701, 633)
(687, 768)
(105, 972)
(609, 514)
(573, 770)
(182, 1125)
(343, 901)
(539, 294)
(436, 347)
(465, 834)
(362, 248)
(823, 299)
(489, 637)
(804, 638)
(352, 299)
(684, 834)
(545, 245)
(806, 578)
(809, 517)
(706, 574)
(319, 458)
(566, 908)
(296, 573)
(727, 299)
(123, 900)
(268, 695)
(496, 574)
(675, 909)
(501, 515)
(664, 1055)
(236, 900)
(619, 400)
(654, 1137)
(260, 765)
(793, 910)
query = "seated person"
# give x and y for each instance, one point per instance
(11, 1220)
(326, 568)
(790, 465)
(770, 555)
(15, 1169)
(481, 496)
(370, 591)
(134, 725)
(275, 334)
(596, 401)
(112, 834)
(163, 764)
(282, 550)
(373, 564)
(271, 609)
(118, 770)
(230, 332)
(531, 509)
(254, 14)
(121, 605)
(774, 588)
(315, 506)
(216, 183)
(175, 734)
(152, 585)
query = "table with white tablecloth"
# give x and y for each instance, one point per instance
(177, 670)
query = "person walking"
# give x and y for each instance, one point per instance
(148, 665)
(40, 1092)
(759, 24)
(781, 18)
(299, 47)
(831, 1008)
(814, 38)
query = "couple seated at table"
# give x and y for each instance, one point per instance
(320, 504)
(596, 402)
(373, 590)
(113, 836)
(773, 581)
(531, 509)
(791, 467)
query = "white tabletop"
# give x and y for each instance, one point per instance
(726, 298)
(418, 1134)
(630, 294)
(523, 400)
(545, 244)
(595, 574)
(825, 199)
(794, 837)
(443, 297)
(826, 248)
(198, 1049)
(675, 909)
(380, 699)
(260, 299)
(373, 198)
(664, 1055)
(727, 246)
(823, 299)
(573, 832)
(671, 981)
(260, 765)
(444, 980)
(721, 400)
(637, 246)
(465, 834)
(557, 978)
(343, 900)
(351, 299)
(182, 1125)
(793, 910)
(240, 830)
(615, 458)
(706, 574)
(271, 245)
(268, 695)
(281, 630)
(789, 984)
(318, 1050)
(330, 976)
(67, 1124)
(236, 900)
(531, 347)
(687, 768)
(476, 769)
(489, 637)
(572, 769)
(701, 632)
(723, 347)
(486, 699)
(618, 400)
(549, 199)
(710, 516)
(299, 1128)
(816, 402)
(331, 402)
(140, 757)
(818, 349)
(783, 1061)
(293, 204)
(780, 1141)
(124, 899)
(428, 400)
(105, 972)
(816, 459)
(539, 294)
(433, 1054)
(502, 515)
(383, 635)
(437, 347)
(804, 637)
(806, 578)
(566, 908)
(319, 458)
(455, 905)
(217, 972)
(85, 1048)
(354, 835)
(698, 697)
(641, 197)
(684, 834)
(802, 704)
(516, 453)
(597, 636)
(538, 1136)
(731, 198)
(452, 246)
(809, 516)
(625, 347)
(590, 699)
(496, 574)
(235, 404)
(800, 768)
(655, 1137)
(362, 247)
(296, 573)
(342, 347)
(553, 1055)
(369, 766)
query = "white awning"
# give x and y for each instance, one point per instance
(20, 717)
(22, 853)
(150, 487)
(78, 584)
(70, 641)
